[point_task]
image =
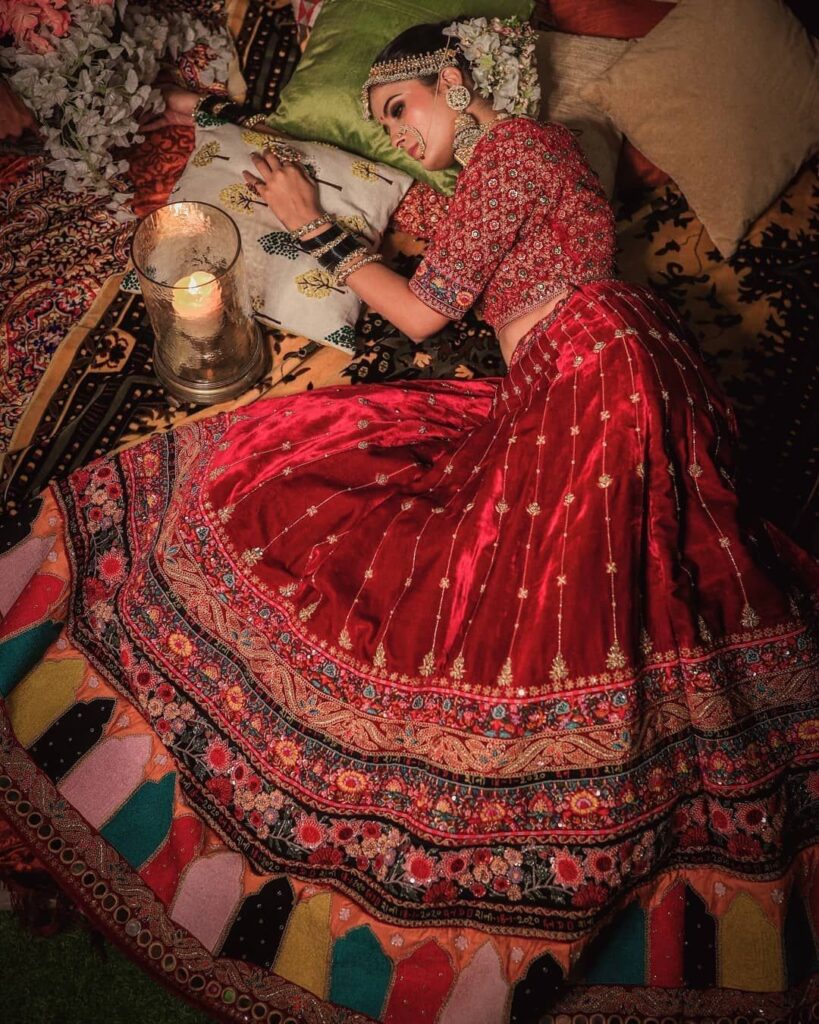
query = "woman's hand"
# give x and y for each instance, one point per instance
(179, 107)
(286, 188)
(15, 117)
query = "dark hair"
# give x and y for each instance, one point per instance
(423, 39)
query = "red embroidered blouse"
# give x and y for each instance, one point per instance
(528, 218)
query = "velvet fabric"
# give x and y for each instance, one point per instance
(514, 622)
(592, 485)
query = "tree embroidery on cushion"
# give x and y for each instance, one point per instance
(207, 154)
(343, 337)
(368, 171)
(261, 140)
(239, 198)
(317, 284)
(279, 243)
(356, 225)
(257, 305)
(130, 283)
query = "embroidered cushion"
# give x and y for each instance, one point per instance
(322, 99)
(724, 97)
(616, 19)
(288, 288)
(565, 63)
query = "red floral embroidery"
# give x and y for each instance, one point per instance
(528, 219)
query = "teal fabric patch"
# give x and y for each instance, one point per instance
(141, 825)
(361, 973)
(618, 956)
(19, 654)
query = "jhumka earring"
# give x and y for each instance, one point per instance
(467, 130)
(457, 97)
(467, 133)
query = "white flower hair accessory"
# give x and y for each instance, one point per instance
(501, 57)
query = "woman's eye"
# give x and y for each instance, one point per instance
(397, 110)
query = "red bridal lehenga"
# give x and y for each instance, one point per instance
(397, 695)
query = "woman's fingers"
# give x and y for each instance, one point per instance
(151, 125)
(252, 180)
(266, 164)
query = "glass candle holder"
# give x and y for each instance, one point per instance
(208, 347)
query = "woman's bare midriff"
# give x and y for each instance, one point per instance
(511, 333)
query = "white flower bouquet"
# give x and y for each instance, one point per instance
(501, 56)
(87, 68)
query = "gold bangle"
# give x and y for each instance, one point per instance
(298, 233)
(355, 262)
(248, 122)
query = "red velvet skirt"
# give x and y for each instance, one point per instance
(488, 654)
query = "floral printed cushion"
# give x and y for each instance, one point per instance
(288, 288)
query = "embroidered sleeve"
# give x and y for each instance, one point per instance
(495, 194)
(421, 211)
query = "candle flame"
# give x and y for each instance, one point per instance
(198, 297)
(198, 280)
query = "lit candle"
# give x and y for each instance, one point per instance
(197, 302)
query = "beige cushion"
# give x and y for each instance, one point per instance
(723, 95)
(287, 287)
(565, 63)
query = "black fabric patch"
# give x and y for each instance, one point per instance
(258, 929)
(700, 952)
(71, 736)
(535, 993)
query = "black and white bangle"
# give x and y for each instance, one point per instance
(328, 246)
(330, 236)
(344, 247)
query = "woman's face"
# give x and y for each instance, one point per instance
(416, 120)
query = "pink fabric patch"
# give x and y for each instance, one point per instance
(104, 780)
(18, 566)
(480, 993)
(208, 895)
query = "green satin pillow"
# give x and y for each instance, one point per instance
(322, 100)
